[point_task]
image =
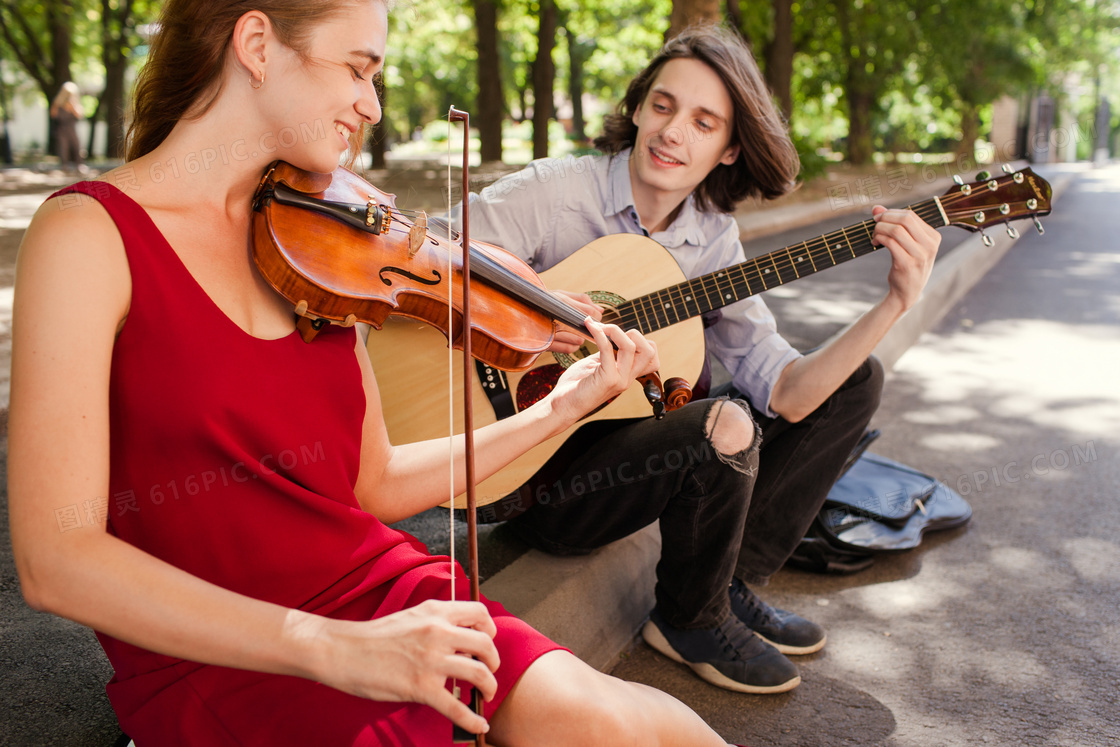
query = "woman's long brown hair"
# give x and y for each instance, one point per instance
(768, 163)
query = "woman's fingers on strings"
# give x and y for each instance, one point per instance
(581, 302)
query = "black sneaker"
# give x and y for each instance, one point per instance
(785, 631)
(730, 656)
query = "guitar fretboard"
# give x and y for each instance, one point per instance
(717, 289)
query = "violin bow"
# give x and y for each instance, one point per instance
(460, 735)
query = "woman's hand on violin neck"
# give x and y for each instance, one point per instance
(408, 656)
(567, 340)
(599, 377)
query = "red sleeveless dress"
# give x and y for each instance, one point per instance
(235, 458)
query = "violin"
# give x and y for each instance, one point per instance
(340, 250)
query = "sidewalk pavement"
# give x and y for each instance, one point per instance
(55, 671)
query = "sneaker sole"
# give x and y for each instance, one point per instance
(794, 650)
(656, 639)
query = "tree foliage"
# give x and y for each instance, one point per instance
(857, 75)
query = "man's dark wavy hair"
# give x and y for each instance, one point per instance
(767, 165)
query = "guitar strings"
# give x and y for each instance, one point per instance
(662, 308)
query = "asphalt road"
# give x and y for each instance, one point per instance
(1004, 632)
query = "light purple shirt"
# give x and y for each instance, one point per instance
(553, 207)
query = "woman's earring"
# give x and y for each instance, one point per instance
(252, 79)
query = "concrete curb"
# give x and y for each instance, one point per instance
(594, 604)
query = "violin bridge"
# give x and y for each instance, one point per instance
(417, 234)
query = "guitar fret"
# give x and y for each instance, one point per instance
(744, 281)
(644, 308)
(847, 241)
(792, 266)
(810, 253)
(693, 299)
(660, 309)
(867, 229)
(827, 239)
(761, 275)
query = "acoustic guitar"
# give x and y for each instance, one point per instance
(648, 292)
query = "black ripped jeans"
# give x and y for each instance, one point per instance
(740, 514)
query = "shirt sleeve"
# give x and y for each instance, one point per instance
(745, 339)
(516, 213)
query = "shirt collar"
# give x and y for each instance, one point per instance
(620, 199)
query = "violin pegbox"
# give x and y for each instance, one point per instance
(994, 201)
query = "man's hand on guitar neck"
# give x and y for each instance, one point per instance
(567, 340)
(913, 246)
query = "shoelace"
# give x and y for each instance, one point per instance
(760, 611)
(736, 638)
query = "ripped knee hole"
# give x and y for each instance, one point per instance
(730, 427)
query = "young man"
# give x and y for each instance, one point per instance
(697, 133)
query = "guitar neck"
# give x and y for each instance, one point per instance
(717, 289)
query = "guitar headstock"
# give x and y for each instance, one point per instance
(991, 201)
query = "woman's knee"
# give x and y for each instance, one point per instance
(561, 700)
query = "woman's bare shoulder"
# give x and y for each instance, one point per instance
(72, 251)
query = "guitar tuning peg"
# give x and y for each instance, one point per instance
(1012, 232)
(1038, 227)
(1007, 168)
(983, 176)
(957, 179)
(988, 241)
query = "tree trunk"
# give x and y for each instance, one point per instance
(860, 147)
(779, 57)
(691, 13)
(859, 89)
(970, 131)
(578, 52)
(735, 18)
(490, 108)
(544, 74)
(115, 31)
(59, 18)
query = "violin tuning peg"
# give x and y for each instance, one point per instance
(1012, 232)
(1007, 168)
(957, 179)
(1038, 227)
(988, 241)
(983, 176)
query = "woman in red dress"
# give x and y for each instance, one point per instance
(211, 494)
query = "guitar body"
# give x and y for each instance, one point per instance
(410, 359)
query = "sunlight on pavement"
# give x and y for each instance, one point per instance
(1093, 559)
(1047, 373)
